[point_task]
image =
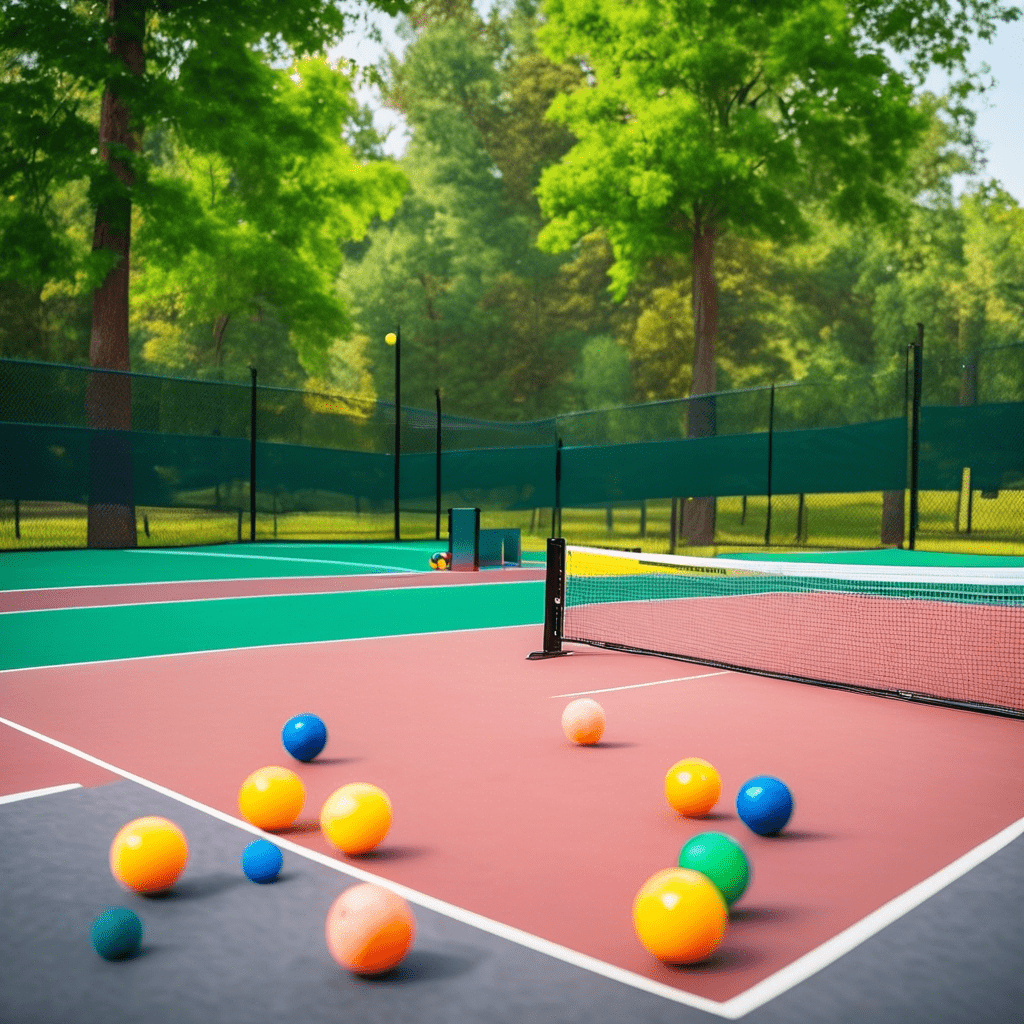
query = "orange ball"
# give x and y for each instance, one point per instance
(583, 721)
(369, 929)
(272, 798)
(680, 916)
(148, 854)
(692, 787)
(356, 817)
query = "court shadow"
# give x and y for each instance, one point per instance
(798, 835)
(332, 760)
(426, 965)
(298, 829)
(762, 915)
(714, 816)
(199, 888)
(390, 853)
(730, 958)
(613, 745)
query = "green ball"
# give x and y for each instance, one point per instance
(117, 933)
(721, 859)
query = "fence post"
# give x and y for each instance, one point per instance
(437, 508)
(556, 512)
(252, 462)
(771, 438)
(917, 351)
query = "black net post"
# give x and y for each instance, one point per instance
(398, 425)
(917, 347)
(554, 601)
(252, 459)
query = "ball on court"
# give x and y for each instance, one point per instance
(261, 861)
(440, 560)
(583, 721)
(680, 916)
(148, 854)
(764, 804)
(721, 859)
(272, 798)
(369, 929)
(692, 787)
(117, 933)
(304, 736)
(356, 817)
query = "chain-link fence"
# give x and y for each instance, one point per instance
(115, 459)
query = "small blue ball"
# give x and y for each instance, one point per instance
(304, 736)
(117, 933)
(764, 804)
(261, 861)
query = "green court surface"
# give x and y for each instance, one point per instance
(75, 635)
(84, 567)
(887, 556)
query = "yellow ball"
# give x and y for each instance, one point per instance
(272, 798)
(692, 787)
(148, 854)
(356, 817)
(391, 338)
(680, 916)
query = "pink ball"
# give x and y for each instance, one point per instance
(583, 721)
(369, 929)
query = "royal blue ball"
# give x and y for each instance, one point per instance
(764, 804)
(304, 736)
(261, 861)
(117, 933)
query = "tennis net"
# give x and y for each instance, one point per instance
(953, 638)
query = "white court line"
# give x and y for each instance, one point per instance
(637, 686)
(30, 794)
(269, 558)
(486, 924)
(252, 597)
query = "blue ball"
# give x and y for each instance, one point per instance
(304, 736)
(261, 861)
(764, 804)
(117, 933)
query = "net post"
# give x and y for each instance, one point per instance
(252, 462)
(917, 347)
(554, 602)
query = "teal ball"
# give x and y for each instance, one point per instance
(117, 933)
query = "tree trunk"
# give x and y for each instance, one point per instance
(699, 513)
(109, 403)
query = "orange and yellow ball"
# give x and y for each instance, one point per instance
(680, 916)
(148, 854)
(272, 798)
(356, 817)
(692, 787)
(583, 721)
(369, 929)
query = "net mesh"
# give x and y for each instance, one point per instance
(955, 638)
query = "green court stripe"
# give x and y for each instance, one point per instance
(75, 635)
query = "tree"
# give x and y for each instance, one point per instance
(147, 58)
(703, 118)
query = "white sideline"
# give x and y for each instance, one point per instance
(30, 794)
(637, 686)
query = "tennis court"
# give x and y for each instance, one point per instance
(154, 681)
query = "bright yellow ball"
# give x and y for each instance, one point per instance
(356, 817)
(272, 798)
(680, 916)
(391, 338)
(692, 787)
(148, 854)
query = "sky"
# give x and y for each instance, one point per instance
(1000, 123)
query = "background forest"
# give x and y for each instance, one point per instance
(329, 244)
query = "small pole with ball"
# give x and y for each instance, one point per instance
(395, 338)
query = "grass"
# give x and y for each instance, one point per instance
(838, 521)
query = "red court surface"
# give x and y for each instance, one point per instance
(496, 813)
